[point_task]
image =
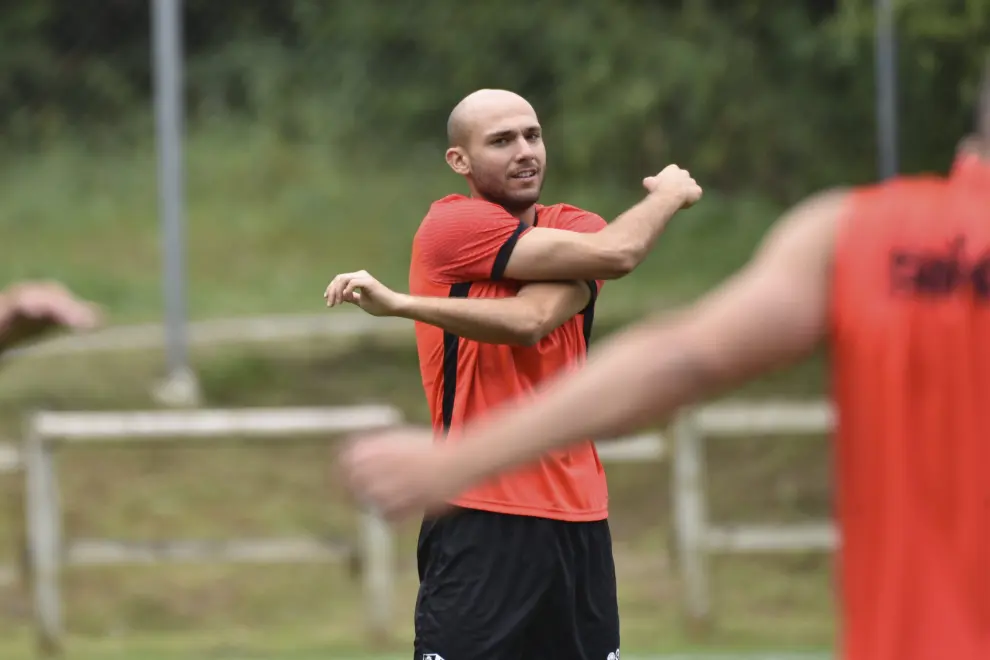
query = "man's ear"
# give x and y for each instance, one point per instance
(458, 161)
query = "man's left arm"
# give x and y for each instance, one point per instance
(521, 320)
(537, 310)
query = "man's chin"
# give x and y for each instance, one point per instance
(515, 203)
(523, 199)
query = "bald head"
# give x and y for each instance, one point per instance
(481, 110)
(496, 144)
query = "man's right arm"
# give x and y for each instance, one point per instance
(481, 241)
(615, 251)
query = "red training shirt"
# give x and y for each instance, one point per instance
(911, 357)
(461, 250)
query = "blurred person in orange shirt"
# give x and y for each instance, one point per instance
(895, 279)
(503, 292)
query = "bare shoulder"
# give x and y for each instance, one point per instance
(808, 230)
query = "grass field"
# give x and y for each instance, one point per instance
(234, 490)
(145, 653)
(268, 225)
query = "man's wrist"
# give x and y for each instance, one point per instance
(461, 465)
(405, 306)
(665, 201)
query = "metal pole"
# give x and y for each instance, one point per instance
(179, 387)
(886, 76)
(168, 120)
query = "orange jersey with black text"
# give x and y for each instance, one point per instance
(911, 357)
(461, 250)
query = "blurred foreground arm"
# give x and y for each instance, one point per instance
(523, 320)
(29, 310)
(769, 314)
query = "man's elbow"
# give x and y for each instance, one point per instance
(530, 332)
(621, 261)
(532, 328)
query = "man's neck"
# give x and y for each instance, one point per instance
(528, 216)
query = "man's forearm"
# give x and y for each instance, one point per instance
(624, 386)
(634, 233)
(492, 321)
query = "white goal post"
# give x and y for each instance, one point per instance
(49, 552)
(696, 537)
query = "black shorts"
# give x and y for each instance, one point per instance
(504, 587)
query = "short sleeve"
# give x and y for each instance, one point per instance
(585, 222)
(466, 241)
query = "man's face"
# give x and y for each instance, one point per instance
(507, 161)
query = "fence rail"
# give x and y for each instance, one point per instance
(696, 536)
(212, 332)
(49, 552)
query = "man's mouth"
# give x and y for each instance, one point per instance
(526, 174)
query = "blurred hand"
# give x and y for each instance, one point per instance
(29, 309)
(399, 472)
(676, 183)
(363, 290)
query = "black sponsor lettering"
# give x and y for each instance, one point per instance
(940, 274)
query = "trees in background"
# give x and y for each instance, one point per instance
(773, 94)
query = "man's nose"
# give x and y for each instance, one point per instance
(525, 150)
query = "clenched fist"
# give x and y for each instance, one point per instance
(676, 183)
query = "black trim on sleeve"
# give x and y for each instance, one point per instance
(589, 314)
(504, 252)
(451, 347)
(593, 287)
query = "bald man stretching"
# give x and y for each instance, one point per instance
(522, 566)
(896, 278)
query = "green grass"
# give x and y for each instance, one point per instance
(236, 489)
(269, 224)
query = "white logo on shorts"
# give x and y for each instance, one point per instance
(433, 656)
(614, 656)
